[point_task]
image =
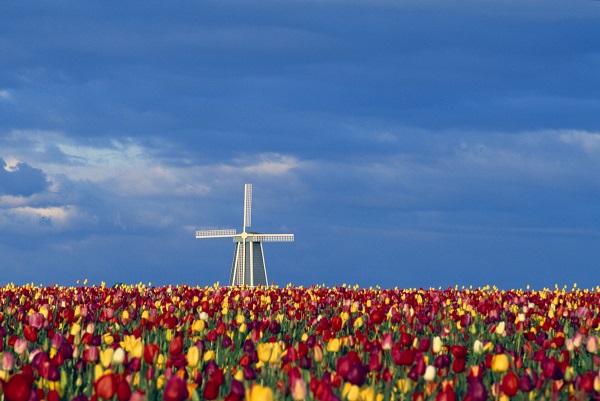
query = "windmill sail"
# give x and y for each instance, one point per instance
(215, 233)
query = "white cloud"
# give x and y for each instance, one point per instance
(4, 94)
(589, 141)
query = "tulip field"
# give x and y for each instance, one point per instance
(176, 343)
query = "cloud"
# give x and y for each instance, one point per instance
(21, 179)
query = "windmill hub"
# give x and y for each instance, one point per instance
(248, 260)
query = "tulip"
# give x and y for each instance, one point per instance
(500, 329)
(106, 386)
(264, 350)
(36, 320)
(211, 391)
(387, 341)
(176, 346)
(151, 352)
(8, 361)
(298, 390)
(333, 345)
(476, 391)
(193, 357)
(198, 326)
(20, 346)
(430, 372)
(123, 391)
(259, 393)
(175, 390)
(591, 345)
(446, 393)
(350, 392)
(318, 353)
(106, 357)
(357, 374)
(18, 388)
(118, 356)
(510, 384)
(500, 363)
(437, 345)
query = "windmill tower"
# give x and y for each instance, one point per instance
(248, 260)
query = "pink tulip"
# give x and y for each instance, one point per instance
(8, 361)
(591, 344)
(36, 320)
(387, 341)
(298, 390)
(20, 346)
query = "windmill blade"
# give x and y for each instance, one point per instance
(273, 237)
(247, 205)
(215, 233)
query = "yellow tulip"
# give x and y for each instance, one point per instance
(98, 371)
(317, 353)
(193, 357)
(265, 350)
(367, 394)
(75, 329)
(160, 382)
(350, 392)
(259, 393)
(500, 363)
(208, 355)
(106, 356)
(198, 326)
(108, 339)
(333, 345)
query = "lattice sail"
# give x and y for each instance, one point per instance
(273, 237)
(215, 233)
(247, 205)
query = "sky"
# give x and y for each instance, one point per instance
(404, 144)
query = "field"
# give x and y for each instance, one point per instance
(178, 342)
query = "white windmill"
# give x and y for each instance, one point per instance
(248, 260)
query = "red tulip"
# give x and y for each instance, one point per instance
(30, 333)
(151, 352)
(211, 391)
(106, 386)
(175, 390)
(446, 393)
(510, 384)
(18, 388)
(123, 391)
(176, 346)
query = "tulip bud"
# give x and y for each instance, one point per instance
(318, 353)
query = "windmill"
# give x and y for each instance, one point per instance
(248, 260)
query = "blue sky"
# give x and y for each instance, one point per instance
(409, 144)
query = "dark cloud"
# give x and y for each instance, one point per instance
(21, 180)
